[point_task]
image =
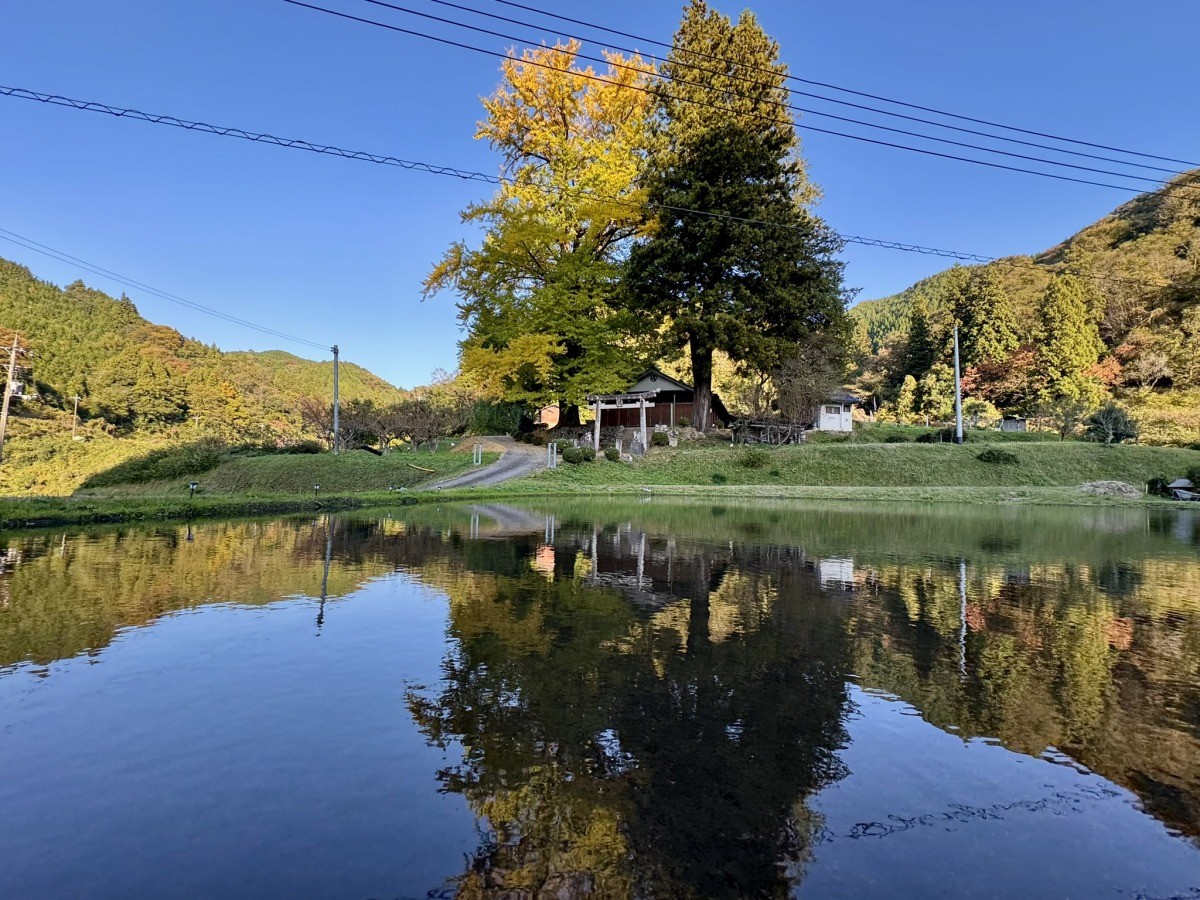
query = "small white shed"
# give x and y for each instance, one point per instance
(837, 413)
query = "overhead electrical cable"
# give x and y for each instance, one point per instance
(468, 175)
(45, 250)
(649, 90)
(753, 83)
(430, 168)
(823, 84)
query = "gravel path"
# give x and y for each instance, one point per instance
(515, 461)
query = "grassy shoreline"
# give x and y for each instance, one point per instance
(39, 512)
(1043, 474)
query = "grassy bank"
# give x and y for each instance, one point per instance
(354, 472)
(1042, 474)
(45, 512)
(892, 466)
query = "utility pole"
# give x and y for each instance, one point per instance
(75, 416)
(958, 432)
(337, 437)
(8, 385)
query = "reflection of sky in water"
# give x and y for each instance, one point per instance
(631, 699)
(923, 813)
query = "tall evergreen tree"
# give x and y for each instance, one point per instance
(987, 325)
(923, 349)
(758, 274)
(1069, 336)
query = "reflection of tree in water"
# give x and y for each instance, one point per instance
(1078, 658)
(640, 751)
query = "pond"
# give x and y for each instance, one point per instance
(606, 699)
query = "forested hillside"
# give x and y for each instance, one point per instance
(138, 376)
(1111, 313)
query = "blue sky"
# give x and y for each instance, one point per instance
(335, 250)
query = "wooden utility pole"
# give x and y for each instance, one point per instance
(336, 429)
(8, 386)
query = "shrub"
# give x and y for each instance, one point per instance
(719, 478)
(941, 436)
(897, 439)
(1158, 486)
(1110, 424)
(526, 438)
(775, 473)
(612, 454)
(998, 457)
(577, 455)
(685, 422)
(660, 439)
(303, 447)
(1193, 475)
(754, 458)
(540, 437)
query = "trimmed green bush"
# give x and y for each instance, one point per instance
(998, 457)
(660, 439)
(719, 478)
(577, 455)
(897, 439)
(612, 454)
(754, 458)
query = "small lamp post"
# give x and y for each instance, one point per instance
(192, 485)
(316, 489)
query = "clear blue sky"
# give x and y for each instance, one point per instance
(335, 250)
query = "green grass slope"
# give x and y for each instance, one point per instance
(879, 465)
(354, 472)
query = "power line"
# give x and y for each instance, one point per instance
(430, 168)
(223, 131)
(30, 244)
(748, 81)
(468, 175)
(647, 90)
(833, 87)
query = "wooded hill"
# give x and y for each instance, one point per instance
(136, 375)
(1113, 311)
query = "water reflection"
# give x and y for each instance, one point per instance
(693, 701)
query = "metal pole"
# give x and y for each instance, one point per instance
(75, 416)
(642, 423)
(337, 437)
(958, 431)
(12, 367)
(597, 442)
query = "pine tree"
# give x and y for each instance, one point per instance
(987, 325)
(922, 345)
(758, 275)
(1069, 338)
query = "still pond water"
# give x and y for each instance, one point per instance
(609, 700)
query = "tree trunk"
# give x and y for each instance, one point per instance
(702, 357)
(568, 416)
